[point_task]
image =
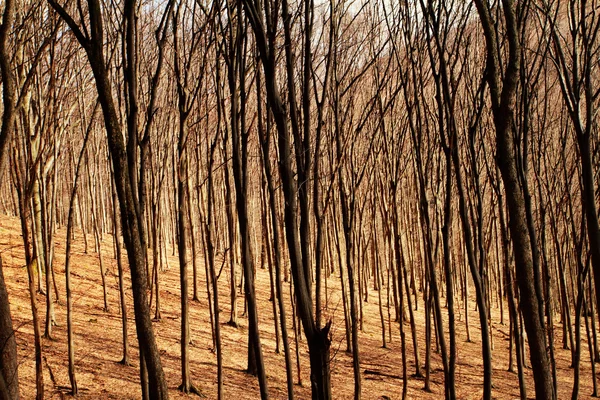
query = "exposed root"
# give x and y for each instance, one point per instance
(233, 324)
(191, 389)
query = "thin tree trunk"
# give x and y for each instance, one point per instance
(116, 235)
(265, 140)
(213, 274)
(97, 234)
(37, 336)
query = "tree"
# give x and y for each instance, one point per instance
(502, 83)
(9, 378)
(574, 60)
(186, 97)
(317, 338)
(91, 40)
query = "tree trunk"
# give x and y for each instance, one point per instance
(503, 87)
(213, 274)
(9, 378)
(182, 241)
(239, 151)
(116, 235)
(94, 47)
(37, 336)
(265, 139)
(8, 351)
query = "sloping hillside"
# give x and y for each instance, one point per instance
(98, 339)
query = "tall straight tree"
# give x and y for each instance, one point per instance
(9, 378)
(575, 56)
(90, 34)
(16, 96)
(185, 53)
(502, 78)
(446, 70)
(70, 218)
(264, 18)
(235, 59)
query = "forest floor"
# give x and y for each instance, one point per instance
(98, 339)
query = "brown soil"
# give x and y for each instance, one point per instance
(98, 339)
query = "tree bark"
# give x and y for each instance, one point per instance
(8, 353)
(94, 47)
(503, 88)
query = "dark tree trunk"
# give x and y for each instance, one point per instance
(265, 139)
(503, 88)
(9, 389)
(318, 339)
(9, 379)
(128, 204)
(213, 275)
(182, 239)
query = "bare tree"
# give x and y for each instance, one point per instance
(502, 82)
(91, 39)
(264, 27)
(9, 378)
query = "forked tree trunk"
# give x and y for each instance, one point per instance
(94, 47)
(503, 87)
(317, 338)
(182, 240)
(265, 140)
(25, 212)
(239, 139)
